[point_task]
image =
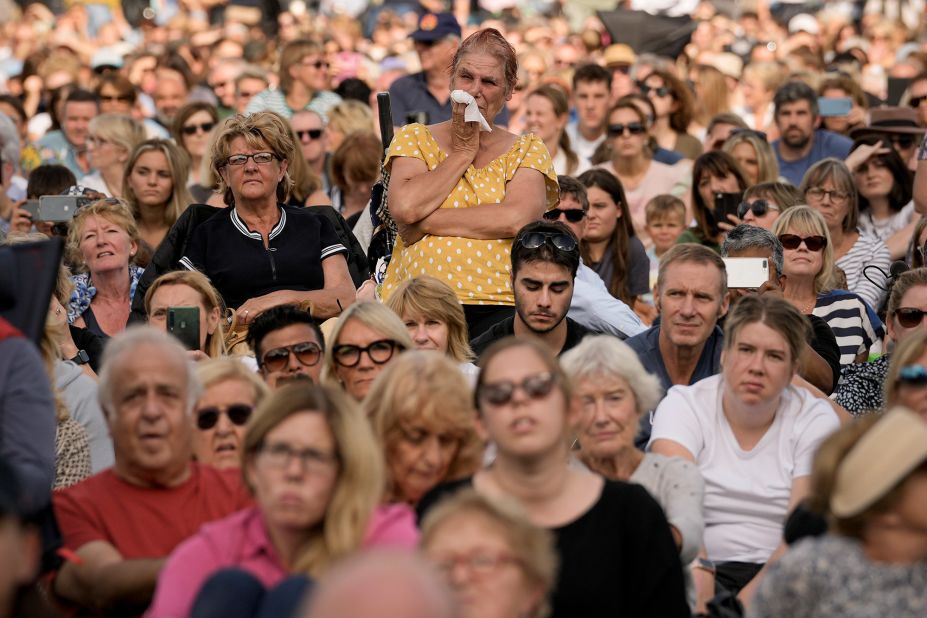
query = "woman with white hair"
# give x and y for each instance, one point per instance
(613, 391)
(112, 139)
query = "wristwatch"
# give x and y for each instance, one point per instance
(81, 358)
(704, 564)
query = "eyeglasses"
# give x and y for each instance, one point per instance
(573, 215)
(793, 241)
(379, 352)
(836, 196)
(759, 208)
(916, 101)
(238, 413)
(910, 317)
(479, 563)
(537, 386)
(310, 133)
(206, 127)
(307, 353)
(311, 459)
(760, 134)
(634, 128)
(318, 64)
(261, 158)
(115, 98)
(661, 91)
(561, 241)
(913, 375)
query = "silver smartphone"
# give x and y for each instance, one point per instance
(60, 208)
(746, 272)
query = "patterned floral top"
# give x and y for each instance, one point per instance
(477, 270)
(84, 291)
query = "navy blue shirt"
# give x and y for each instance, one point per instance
(239, 265)
(825, 144)
(647, 347)
(410, 94)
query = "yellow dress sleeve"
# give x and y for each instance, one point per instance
(532, 153)
(415, 141)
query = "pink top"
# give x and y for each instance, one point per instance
(241, 540)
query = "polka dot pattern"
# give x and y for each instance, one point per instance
(478, 270)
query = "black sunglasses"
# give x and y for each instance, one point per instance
(206, 127)
(560, 241)
(902, 141)
(500, 393)
(913, 375)
(573, 215)
(379, 352)
(238, 413)
(758, 207)
(793, 241)
(909, 317)
(312, 133)
(916, 101)
(307, 353)
(660, 91)
(634, 128)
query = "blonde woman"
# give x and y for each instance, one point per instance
(422, 413)
(308, 460)
(754, 155)
(112, 139)
(183, 288)
(346, 118)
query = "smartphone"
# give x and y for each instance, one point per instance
(60, 208)
(727, 204)
(829, 107)
(748, 273)
(184, 323)
(32, 207)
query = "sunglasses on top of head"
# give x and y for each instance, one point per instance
(560, 241)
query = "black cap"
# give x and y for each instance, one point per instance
(435, 26)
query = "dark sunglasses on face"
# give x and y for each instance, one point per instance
(573, 215)
(916, 101)
(634, 128)
(793, 241)
(311, 133)
(661, 91)
(379, 352)
(318, 64)
(902, 141)
(910, 317)
(758, 207)
(306, 352)
(560, 241)
(500, 393)
(913, 375)
(191, 129)
(238, 413)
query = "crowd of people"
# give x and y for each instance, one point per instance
(588, 322)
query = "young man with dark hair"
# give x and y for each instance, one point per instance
(592, 86)
(287, 344)
(68, 146)
(802, 144)
(545, 258)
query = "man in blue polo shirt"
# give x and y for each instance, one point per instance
(684, 345)
(429, 91)
(800, 145)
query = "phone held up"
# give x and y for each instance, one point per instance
(747, 272)
(184, 323)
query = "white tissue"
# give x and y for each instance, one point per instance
(472, 113)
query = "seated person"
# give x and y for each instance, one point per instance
(122, 522)
(752, 435)
(287, 344)
(259, 252)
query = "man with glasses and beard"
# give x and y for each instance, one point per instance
(288, 345)
(545, 257)
(801, 143)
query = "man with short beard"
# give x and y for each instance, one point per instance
(801, 143)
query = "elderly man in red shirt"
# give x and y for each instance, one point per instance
(121, 524)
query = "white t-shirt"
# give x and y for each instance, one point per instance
(583, 148)
(746, 492)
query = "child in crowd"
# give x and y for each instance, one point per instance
(666, 219)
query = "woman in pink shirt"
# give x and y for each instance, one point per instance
(307, 459)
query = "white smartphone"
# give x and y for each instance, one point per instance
(746, 272)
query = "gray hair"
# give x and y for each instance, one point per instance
(126, 343)
(9, 141)
(604, 355)
(746, 236)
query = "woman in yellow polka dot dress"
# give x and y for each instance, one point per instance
(459, 195)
